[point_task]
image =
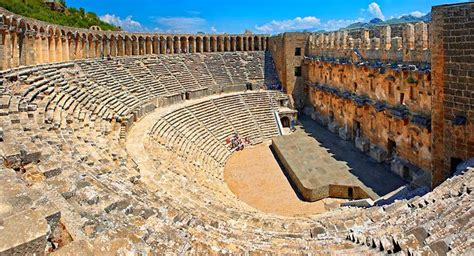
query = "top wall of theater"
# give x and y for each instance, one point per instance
(25, 41)
(409, 42)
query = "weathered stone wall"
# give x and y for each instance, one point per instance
(283, 49)
(25, 41)
(453, 86)
(367, 102)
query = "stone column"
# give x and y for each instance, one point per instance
(141, 46)
(7, 52)
(14, 49)
(421, 36)
(409, 37)
(366, 39)
(45, 48)
(193, 45)
(385, 38)
(24, 40)
(332, 39)
(259, 43)
(345, 40)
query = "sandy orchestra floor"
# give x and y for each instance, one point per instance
(255, 177)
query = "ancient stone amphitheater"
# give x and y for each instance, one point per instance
(115, 143)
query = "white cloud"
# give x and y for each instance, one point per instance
(180, 24)
(213, 30)
(331, 25)
(307, 23)
(375, 10)
(298, 23)
(127, 24)
(417, 14)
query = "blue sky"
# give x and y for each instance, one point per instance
(261, 16)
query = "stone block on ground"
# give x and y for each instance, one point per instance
(377, 153)
(333, 127)
(362, 144)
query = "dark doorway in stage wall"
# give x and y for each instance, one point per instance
(285, 121)
(454, 163)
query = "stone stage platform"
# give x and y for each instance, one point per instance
(314, 172)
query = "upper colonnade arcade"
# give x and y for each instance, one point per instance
(25, 41)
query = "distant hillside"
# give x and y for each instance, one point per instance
(72, 17)
(378, 22)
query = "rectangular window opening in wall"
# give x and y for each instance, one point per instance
(297, 71)
(297, 51)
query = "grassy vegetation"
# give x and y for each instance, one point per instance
(70, 17)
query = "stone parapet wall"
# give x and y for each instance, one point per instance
(25, 41)
(379, 43)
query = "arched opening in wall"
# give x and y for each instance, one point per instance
(391, 147)
(191, 45)
(249, 44)
(155, 43)
(402, 98)
(176, 45)
(405, 173)
(325, 79)
(331, 116)
(134, 45)
(350, 193)
(198, 44)
(356, 131)
(285, 122)
(263, 42)
(219, 44)
(206, 44)
(372, 88)
(140, 46)
(256, 42)
(390, 89)
(21, 41)
(245, 44)
(90, 53)
(239, 43)
(355, 87)
(184, 44)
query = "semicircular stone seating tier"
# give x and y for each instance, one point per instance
(62, 131)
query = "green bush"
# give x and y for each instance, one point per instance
(71, 17)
